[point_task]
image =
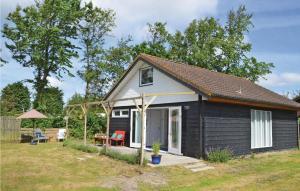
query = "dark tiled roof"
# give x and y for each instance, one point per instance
(219, 85)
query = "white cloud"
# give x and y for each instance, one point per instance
(54, 82)
(132, 15)
(283, 79)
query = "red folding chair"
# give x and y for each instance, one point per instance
(118, 136)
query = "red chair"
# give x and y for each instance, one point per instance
(118, 136)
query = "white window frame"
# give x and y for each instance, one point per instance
(121, 113)
(261, 129)
(140, 76)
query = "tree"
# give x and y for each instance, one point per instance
(117, 60)
(207, 43)
(52, 102)
(41, 37)
(157, 44)
(95, 25)
(15, 99)
(2, 61)
(76, 99)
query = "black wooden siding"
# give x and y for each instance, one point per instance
(284, 129)
(229, 126)
(121, 124)
(190, 129)
(224, 126)
(190, 126)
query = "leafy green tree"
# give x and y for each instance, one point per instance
(2, 61)
(41, 37)
(95, 25)
(15, 99)
(297, 98)
(206, 43)
(157, 43)
(209, 44)
(52, 103)
(117, 60)
(77, 98)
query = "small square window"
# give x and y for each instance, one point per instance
(120, 113)
(146, 76)
(117, 113)
(125, 112)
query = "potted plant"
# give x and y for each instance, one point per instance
(156, 157)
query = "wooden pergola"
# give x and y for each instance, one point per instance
(108, 106)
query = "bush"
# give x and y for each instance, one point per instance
(219, 155)
(156, 148)
(80, 146)
(95, 125)
(129, 158)
(51, 122)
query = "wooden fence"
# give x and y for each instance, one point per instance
(26, 134)
(10, 129)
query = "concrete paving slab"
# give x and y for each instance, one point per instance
(167, 159)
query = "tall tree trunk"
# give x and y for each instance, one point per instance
(88, 68)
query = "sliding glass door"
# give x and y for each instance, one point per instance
(136, 128)
(174, 130)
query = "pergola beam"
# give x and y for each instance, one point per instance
(169, 94)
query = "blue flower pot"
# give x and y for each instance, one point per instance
(156, 159)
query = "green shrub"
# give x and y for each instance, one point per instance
(51, 122)
(129, 158)
(95, 125)
(219, 155)
(80, 146)
(156, 148)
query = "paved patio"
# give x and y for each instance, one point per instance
(166, 160)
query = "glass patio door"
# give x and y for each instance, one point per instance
(135, 128)
(174, 145)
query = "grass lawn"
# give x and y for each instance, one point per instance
(53, 167)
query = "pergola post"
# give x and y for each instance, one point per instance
(84, 109)
(143, 129)
(143, 123)
(68, 113)
(107, 110)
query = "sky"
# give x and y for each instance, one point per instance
(275, 37)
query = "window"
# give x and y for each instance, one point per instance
(261, 129)
(146, 76)
(120, 113)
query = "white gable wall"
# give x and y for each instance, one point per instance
(129, 87)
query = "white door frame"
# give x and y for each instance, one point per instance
(170, 149)
(135, 145)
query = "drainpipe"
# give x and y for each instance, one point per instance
(298, 132)
(202, 128)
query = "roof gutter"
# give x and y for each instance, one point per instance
(223, 99)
